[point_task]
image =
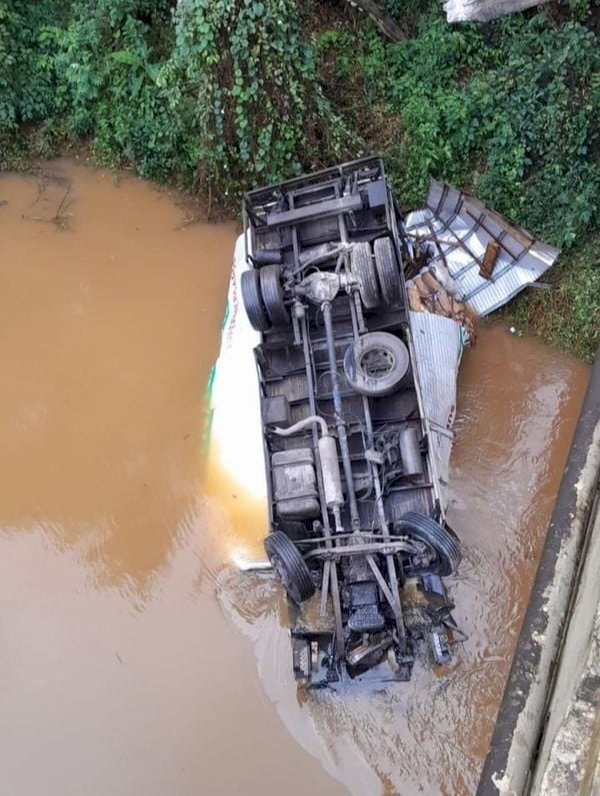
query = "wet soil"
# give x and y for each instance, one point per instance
(134, 659)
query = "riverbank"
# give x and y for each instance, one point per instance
(218, 99)
(564, 315)
(567, 315)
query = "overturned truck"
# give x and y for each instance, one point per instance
(354, 503)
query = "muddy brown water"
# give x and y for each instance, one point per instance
(134, 660)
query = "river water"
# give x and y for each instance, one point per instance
(134, 659)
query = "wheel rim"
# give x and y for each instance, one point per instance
(417, 562)
(377, 363)
(429, 537)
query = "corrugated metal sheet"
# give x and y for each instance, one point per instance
(438, 344)
(456, 230)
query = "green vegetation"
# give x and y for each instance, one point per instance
(219, 95)
(211, 94)
(510, 112)
(568, 315)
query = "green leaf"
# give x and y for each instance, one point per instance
(126, 57)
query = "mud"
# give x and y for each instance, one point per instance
(134, 659)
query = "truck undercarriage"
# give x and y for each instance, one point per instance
(354, 504)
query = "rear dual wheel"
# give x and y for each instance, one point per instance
(379, 277)
(364, 273)
(253, 302)
(262, 294)
(272, 294)
(388, 272)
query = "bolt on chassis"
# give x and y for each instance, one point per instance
(354, 506)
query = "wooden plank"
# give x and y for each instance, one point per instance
(489, 259)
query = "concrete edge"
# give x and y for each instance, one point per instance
(569, 745)
(519, 724)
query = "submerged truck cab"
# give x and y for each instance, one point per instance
(354, 504)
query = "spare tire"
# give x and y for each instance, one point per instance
(253, 303)
(376, 363)
(364, 272)
(272, 295)
(443, 544)
(289, 566)
(388, 272)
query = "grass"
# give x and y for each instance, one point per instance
(567, 316)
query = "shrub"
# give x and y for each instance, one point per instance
(217, 92)
(510, 111)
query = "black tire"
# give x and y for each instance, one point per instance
(388, 272)
(253, 303)
(290, 567)
(436, 537)
(376, 364)
(364, 272)
(272, 295)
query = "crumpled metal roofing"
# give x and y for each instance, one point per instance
(438, 344)
(456, 229)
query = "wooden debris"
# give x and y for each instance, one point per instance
(489, 259)
(382, 18)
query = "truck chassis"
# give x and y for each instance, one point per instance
(354, 503)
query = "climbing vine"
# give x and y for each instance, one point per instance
(245, 79)
(212, 93)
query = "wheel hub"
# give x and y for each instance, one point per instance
(377, 363)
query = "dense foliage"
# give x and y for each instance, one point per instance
(218, 95)
(510, 111)
(208, 92)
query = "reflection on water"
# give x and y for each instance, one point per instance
(133, 658)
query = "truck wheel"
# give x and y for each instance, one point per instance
(364, 272)
(272, 295)
(253, 303)
(425, 529)
(289, 566)
(375, 364)
(388, 272)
